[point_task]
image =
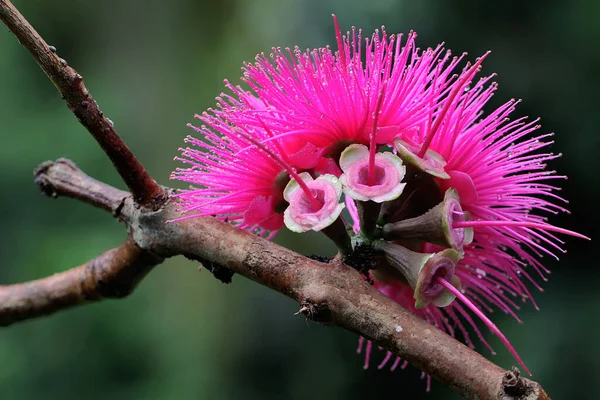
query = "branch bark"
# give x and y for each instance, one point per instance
(70, 85)
(332, 294)
(112, 274)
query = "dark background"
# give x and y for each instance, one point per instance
(153, 64)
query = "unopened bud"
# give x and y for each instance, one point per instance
(421, 270)
(435, 226)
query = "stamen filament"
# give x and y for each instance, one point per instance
(448, 286)
(534, 225)
(314, 203)
(373, 142)
(340, 41)
(457, 89)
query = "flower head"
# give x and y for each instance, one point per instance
(304, 213)
(453, 198)
(320, 101)
(243, 187)
(386, 182)
(500, 179)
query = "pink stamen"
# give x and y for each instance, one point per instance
(368, 354)
(361, 342)
(311, 197)
(484, 318)
(387, 358)
(340, 41)
(373, 142)
(449, 101)
(534, 225)
(395, 364)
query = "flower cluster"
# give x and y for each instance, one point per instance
(448, 197)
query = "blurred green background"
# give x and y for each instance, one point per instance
(183, 335)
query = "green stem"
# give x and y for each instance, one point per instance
(338, 233)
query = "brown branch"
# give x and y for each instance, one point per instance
(63, 178)
(332, 294)
(113, 274)
(70, 85)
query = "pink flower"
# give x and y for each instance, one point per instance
(466, 192)
(387, 178)
(318, 102)
(304, 213)
(501, 181)
(245, 188)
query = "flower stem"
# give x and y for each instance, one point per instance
(369, 214)
(338, 234)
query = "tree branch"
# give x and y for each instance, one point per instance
(332, 294)
(70, 85)
(63, 178)
(112, 274)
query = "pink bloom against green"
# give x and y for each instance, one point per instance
(453, 201)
